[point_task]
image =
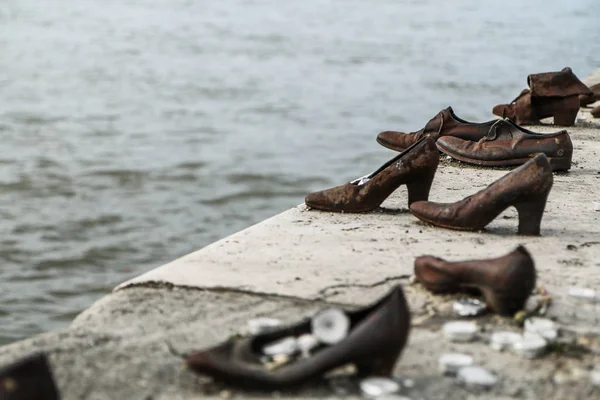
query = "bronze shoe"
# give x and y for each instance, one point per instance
(414, 167)
(28, 379)
(585, 99)
(595, 112)
(445, 123)
(376, 338)
(504, 282)
(508, 144)
(526, 188)
(550, 94)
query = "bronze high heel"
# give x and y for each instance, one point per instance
(526, 188)
(505, 282)
(377, 336)
(414, 167)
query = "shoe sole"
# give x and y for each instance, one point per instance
(557, 163)
(456, 228)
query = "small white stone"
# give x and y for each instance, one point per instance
(306, 343)
(262, 324)
(450, 363)
(532, 303)
(286, 346)
(460, 331)
(504, 339)
(408, 383)
(468, 307)
(595, 376)
(530, 345)
(330, 326)
(582, 293)
(378, 386)
(597, 206)
(544, 327)
(476, 377)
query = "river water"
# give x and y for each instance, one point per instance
(135, 131)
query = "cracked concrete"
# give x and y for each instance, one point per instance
(129, 345)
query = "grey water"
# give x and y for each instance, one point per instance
(135, 131)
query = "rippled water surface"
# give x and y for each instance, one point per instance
(136, 131)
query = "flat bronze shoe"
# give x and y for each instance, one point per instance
(526, 188)
(375, 340)
(28, 379)
(414, 167)
(505, 282)
(550, 94)
(508, 144)
(445, 123)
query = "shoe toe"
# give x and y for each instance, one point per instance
(451, 144)
(420, 208)
(394, 140)
(503, 110)
(318, 199)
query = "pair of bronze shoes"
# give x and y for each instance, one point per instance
(496, 143)
(526, 188)
(550, 94)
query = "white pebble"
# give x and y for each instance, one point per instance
(544, 327)
(378, 386)
(450, 363)
(503, 340)
(530, 345)
(582, 293)
(468, 307)
(476, 377)
(306, 343)
(262, 324)
(286, 346)
(595, 376)
(597, 206)
(460, 331)
(330, 326)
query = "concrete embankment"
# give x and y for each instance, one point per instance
(128, 344)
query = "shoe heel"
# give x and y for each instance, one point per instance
(376, 366)
(503, 303)
(530, 215)
(566, 111)
(418, 190)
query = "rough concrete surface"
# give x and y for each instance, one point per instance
(129, 345)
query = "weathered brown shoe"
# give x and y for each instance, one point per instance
(508, 144)
(505, 282)
(445, 123)
(28, 379)
(526, 188)
(414, 167)
(551, 94)
(376, 338)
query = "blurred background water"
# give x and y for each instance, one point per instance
(135, 131)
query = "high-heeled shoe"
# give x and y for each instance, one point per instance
(28, 379)
(550, 94)
(505, 282)
(414, 167)
(376, 338)
(445, 123)
(526, 188)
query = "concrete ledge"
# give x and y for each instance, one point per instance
(129, 344)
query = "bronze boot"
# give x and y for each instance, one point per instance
(504, 282)
(550, 94)
(526, 188)
(414, 167)
(445, 123)
(375, 340)
(508, 144)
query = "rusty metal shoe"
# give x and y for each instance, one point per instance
(526, 188)
(375, 340)
(585, 99)
(550, 94)
(445, 123)
(414, 167)
(505, 282)
(508, 144)
(28, 379)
